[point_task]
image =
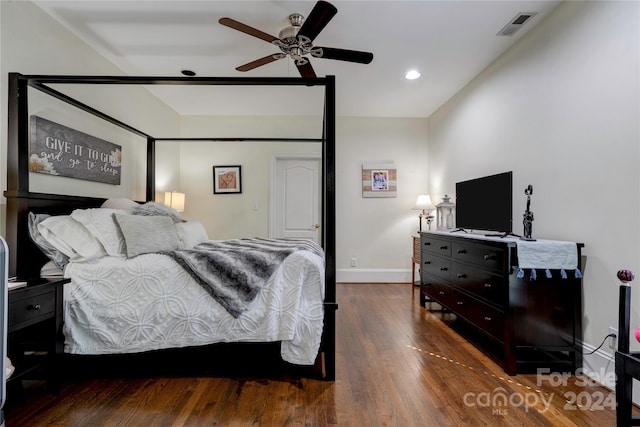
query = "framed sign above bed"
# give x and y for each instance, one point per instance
(58, 150)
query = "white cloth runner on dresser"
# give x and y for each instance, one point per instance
(554, 255)
(547, 255)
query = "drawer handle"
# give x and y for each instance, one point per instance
(443, 269)
(441, 293)
(34, 306)
(460, 303)
(487, 285)
(427, 243)
(462, 276)
(444, 248)
(462, 251)
(427, 262)
(489, 257)
(487, 318)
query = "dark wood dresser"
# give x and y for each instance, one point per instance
(527, 323)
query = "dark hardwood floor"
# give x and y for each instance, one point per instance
(397, 365)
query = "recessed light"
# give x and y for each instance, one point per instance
(412, 75)
(188, 73)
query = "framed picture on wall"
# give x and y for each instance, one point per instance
(227, 179)
(379, 179)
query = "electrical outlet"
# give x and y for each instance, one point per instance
(613, 340)
(354, 262)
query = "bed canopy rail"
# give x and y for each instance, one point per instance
(25, 259)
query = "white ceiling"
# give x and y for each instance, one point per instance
(449, 42)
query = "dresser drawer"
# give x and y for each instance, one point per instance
(29, 306)
(436, 265)
(484, 284)
(437, 290)
(436, 245)
(484, 256)
(486, 318)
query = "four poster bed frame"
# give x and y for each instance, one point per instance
(26, 260)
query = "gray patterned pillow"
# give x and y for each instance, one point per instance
(147, 234)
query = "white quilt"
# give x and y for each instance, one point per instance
(119, 305)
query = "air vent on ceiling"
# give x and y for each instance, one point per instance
(516, 23)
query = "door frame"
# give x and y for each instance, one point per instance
(275, 157)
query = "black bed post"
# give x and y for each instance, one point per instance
(151, 169)
(17, 162)
(329, 212)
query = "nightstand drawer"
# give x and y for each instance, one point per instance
(28, 306)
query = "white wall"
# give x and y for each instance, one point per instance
(561, 109)
(34, 43)
(375, 231)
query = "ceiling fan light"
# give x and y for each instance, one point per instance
(288, 33)
(412, 75)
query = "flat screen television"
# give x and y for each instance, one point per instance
(485, 203)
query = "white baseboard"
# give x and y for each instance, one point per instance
(599, 366)
(373, 275)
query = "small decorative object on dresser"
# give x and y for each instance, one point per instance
(446, 214)
(527, 218)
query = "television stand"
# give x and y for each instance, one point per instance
(524, 323)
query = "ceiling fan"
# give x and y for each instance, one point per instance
(296, 41)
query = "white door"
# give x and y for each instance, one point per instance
(295, 197)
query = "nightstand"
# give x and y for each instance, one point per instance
(415, 259)
(34, 326)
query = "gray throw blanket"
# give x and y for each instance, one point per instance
(234, 271)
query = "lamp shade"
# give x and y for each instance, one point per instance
(424, 203)
(174, 200)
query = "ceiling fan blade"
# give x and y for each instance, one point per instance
(259, 62)
(318, 18)
(306, 70)
(232, 23)
(345, 55)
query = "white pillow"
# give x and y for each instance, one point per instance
(102, 225)
(147, 234)
(71, 238)
(119, 203)
(47, 248)
(191, 233)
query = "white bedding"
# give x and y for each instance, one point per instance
(119, 305)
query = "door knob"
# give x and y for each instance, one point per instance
(316, 225)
